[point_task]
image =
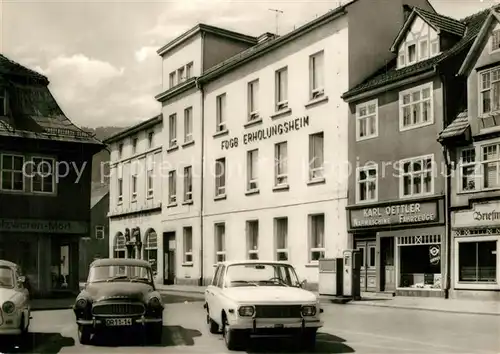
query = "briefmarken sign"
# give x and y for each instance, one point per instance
(408, 213)
(43, 226)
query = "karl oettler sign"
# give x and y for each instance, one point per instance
(266, 133)
(484, 214)
(43, 226)
(409, 213)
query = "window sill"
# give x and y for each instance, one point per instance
(281, 188)
(489, 190)
(252, 191)
(171, 205)
(312, 265)
(187, 264)
(363, 202)
(133, 201)
(416, 126)
(281, 113)
(188, 143)
(316, 101)
(187, 202)
(119, 204)
(173, 148)
(366, 138)
(149, 197)
(411, 197)
(221, 133)
(316, 181)
(253, 122)
(220, 197)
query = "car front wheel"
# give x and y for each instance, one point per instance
(234, 339)
(84, 334)
(308, 339)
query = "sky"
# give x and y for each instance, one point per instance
(100, 56)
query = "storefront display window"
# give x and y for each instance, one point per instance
(151, 250)
(477, 261)
(420, 262)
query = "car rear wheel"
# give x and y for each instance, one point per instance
(84, 334)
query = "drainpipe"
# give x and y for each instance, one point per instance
(447, 216)
(202, 159)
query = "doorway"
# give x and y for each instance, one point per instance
(169, 258)
(368, 273)
(388, 273)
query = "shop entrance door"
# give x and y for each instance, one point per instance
(368, 272)
(388, 274)
(169, 258)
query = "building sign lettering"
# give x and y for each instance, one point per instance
(266, 133)
(410, 213)
(481, 215)
(43, 226)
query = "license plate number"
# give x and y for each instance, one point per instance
(119, 322)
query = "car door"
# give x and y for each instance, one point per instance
(218, 299)
(209, 291)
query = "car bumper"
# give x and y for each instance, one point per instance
(279, 325)
(11, 325)
(136, 321)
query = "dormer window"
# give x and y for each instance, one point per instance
(420, 43)
(434, 46)
(3, 102)
(411, 53)
(495, 40)
(423, 49)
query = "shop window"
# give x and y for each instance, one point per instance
(477, 261)
(420, 262)
(151, 250)
(253, 239)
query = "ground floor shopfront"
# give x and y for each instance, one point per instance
(402, 246)
(475, 251)
(47, 251)
(300, 234)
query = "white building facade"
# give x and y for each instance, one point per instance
(136, 194)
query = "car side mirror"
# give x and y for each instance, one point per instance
(303, 283)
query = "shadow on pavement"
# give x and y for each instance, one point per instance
(175, 299)
(372, 299)
(172, 336)
(325, 344)
(35, 343)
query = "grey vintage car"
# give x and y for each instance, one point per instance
(119, 294)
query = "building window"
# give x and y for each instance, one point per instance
(415, 107)
(3, 102)
(423, 49)
(134, 145)
(188, 244)
(172, 130)
(42, 175)
(220, 177)
(99, 232)
(172, 187)
(281, 232)
(171, 79)
(367, 120)
(489, 101)
(120, 150)
(188, 124)
(416, 176)
(119, 249)
(221, 113)
(316, 158)
(151, 136)
(316, 75)
(316, 237)
(490, 165)
(12, 173)
(253, 100)
(367, 182)
(188, 183)
(180, 75)
(281, 167)
(469, 169)
(411, 53)
(149, 176)
(151, 250)
(419, 261)
(253, 239)
(220, 242)
(120, 184)
(495, 40)
(477, 261)
(281, 89)
(252, 170)
(189, 70)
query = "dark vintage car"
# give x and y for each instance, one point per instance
(119, 294)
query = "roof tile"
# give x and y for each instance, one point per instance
(456, 128)
(442, 23)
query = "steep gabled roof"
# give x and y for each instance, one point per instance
(9, 67)
(480, 41)
(97, 194)
(437, 21)
(390, 74)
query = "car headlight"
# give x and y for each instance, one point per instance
(246, 311)
(81, 303)
(8, 307)
(154, 302)
(308, 310)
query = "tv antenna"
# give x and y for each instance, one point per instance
(277, 12)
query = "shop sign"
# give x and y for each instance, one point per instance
(409, 213)
(267, 133)
(43, 226)
(487, 214)
(434, 254)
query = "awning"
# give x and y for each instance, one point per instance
(457, 128)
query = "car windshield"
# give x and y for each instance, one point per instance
(129, 273)
(6, 277)
(261, 274)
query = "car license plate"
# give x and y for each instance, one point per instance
(278, 325)
(119, 322)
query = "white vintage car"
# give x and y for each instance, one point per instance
(14, 300)
(259, 298)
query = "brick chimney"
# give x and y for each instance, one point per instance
(267, 36)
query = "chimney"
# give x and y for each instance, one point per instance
(267, 36)
(407, 10)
